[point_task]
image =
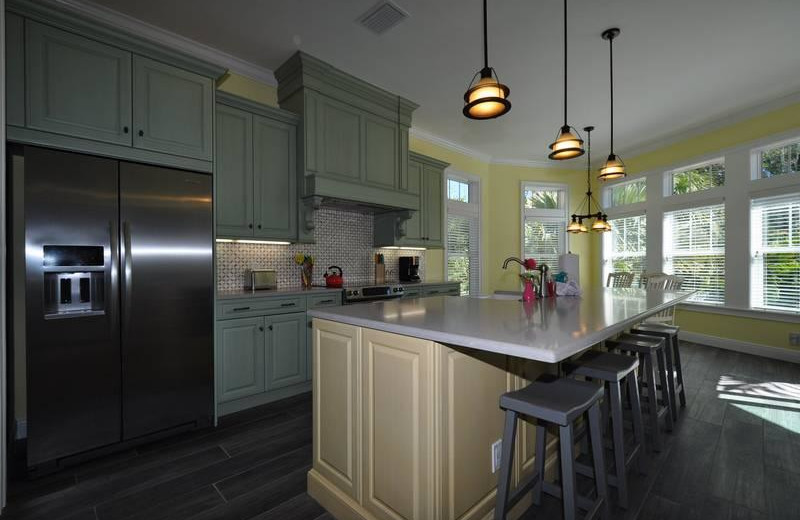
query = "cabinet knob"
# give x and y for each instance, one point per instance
(125, 129)
(259, 226)
(250, 226)
(261, 328)
(141, 133)
(270, 327)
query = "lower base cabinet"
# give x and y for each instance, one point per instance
(403, 427)
(285, 350)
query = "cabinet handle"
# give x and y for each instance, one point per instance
(238, 309)
(250, 226)
(261, 328)
(433, 292)
(259, 226)
(141, 133)
(270, 327)
(287, 305)
(326, 301)
(125, 129)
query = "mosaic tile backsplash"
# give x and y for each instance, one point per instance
(343, 238)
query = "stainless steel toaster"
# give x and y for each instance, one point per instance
(261, 279)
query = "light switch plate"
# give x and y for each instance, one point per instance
(794, 339)
(497, 454)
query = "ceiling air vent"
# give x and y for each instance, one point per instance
(382, 16)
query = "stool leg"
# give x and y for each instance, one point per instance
(504, 475)
(619, 443)
(673, 404)
(652, 397)
(636, 413)
(541, 443)
(679, 368)
(662, 374)
(599, 459)
(568, 482)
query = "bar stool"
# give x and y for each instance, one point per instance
(650, 350)
(614, 370)
(559, 401)
(673, 355)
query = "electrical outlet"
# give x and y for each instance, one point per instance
(497, 454)
(794, 339)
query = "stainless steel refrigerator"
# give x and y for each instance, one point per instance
(118, 301)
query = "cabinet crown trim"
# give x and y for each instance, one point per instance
(67, 19)
(414, 156)
(241, 103)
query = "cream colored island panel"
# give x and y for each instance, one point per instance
(420, 446)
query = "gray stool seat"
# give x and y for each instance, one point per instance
(640, 343)
(605, 366)
(673, 360)
(552, 399)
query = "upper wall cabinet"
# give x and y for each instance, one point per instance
(355, 142)
(79, 85)
(256, 170)
(172, 109)
(423, 228)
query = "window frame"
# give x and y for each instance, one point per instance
(669, 178)
(561, 215)
(608, 194)
(472, 209)
(755, 161)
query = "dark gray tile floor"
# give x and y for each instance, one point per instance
(734, 455)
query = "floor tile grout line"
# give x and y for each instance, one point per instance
(224, 451)
(214, 485)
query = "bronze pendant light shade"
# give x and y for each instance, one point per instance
(568, 143)
(613, 168)
(486, 98)
(600, 224)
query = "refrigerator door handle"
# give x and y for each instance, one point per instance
(127, 269)
(111, 294)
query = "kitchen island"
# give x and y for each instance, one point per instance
(406, 394)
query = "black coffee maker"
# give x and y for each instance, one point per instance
(409, 269)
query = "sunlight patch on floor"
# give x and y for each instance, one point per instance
(773, 401)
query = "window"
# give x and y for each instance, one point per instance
(775, 253)
(457, 190)
(544, 216)
(628, 192)
(625, 248)
(462, 254)
(783, 160)
(694, 248)
(698, 178)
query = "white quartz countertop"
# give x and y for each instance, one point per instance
(549, 330)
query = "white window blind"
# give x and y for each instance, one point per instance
(694, 248)
(626, 247)
(462, 239)
(775, 253)
(544, 240)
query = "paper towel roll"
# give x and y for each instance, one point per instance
(570, 263)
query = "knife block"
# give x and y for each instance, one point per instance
(380, 273)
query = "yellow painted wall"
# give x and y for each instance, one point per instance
(754, 330)
(248, 88)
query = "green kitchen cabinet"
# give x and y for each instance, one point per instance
(76, 86)
(234, 197)
(285, 350)
(240, 358)
(423, 228)
(172, 109)
(15, 70)
(256, 152)
(338, 132)
(381, 159)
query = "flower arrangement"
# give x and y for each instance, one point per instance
(530, 278)
(306, 263)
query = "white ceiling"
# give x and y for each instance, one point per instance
(679, 63)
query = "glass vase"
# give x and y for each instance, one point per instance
(306, 275)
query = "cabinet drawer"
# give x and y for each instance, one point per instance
(324, 300)
(442, 290)
(261, 306)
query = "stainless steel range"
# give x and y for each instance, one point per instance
(367, 293)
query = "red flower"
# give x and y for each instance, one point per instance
(530, 264)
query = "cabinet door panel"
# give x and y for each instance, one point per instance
(275, 178)
(337, 416)
(340, 140)
(15, 69)
(414, 224)
(77, 86)
(240, 358)
(433, 205)
(380, 152)
(234, 203)
(397, 375)
(172, 110)
(286, 350)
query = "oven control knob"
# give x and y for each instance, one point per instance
(400, 289)
(355, 293)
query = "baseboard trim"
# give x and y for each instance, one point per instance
(782, 354)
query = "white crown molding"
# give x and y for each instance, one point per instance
(169, 39)
(728, 119)
(528, 163)
(450, 145)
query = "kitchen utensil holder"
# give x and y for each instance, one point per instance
(380, 273)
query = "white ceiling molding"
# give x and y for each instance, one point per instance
(709, 126)
(450, 145)
(531, 163)
(170, 39)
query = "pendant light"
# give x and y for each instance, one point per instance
(487, 98)
(613, 168)
(600, 224)
(568, 143)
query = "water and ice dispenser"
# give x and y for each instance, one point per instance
(74, 281)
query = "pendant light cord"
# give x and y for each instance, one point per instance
(485, 39)
(589, 161)
(565, 62)
(611, 83)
